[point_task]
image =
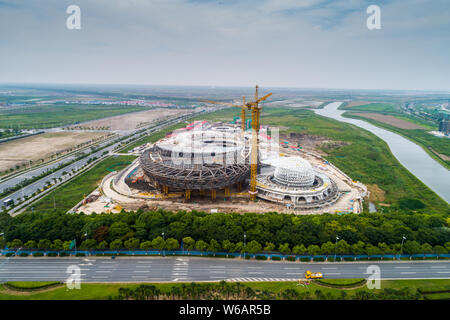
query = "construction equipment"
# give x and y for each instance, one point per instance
(313, 275)
(255, 109)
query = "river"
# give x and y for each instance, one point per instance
(409, 154)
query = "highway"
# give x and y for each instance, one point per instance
(188, 269)
(39, 184)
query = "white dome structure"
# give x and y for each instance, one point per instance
(294, 172)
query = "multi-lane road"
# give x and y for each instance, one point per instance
(188, 269)
(39, 184)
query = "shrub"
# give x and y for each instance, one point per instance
(9, 254)
(305, 259)
(80, 254)
(349, 259)
(52, 254)
(331, 259)
(23, 254)
(290, 258)
(38, 254)
(261, 257)
(247, 257)
(318, 259)
(276, 258)
(63, 254)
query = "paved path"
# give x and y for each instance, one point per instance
(187, 269)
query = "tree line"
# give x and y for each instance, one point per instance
(358, 233)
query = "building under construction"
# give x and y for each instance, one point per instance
(206, 158)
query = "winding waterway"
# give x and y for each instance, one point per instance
(409, 154)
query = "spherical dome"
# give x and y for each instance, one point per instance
(294, 171)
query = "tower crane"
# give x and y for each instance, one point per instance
(255, 108)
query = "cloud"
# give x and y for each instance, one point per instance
(310, 43)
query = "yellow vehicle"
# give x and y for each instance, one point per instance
(313, 275)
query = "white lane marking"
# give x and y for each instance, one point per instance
(103, 271)
(328, 268)
(142, 266)
(443, 272)
(294, 273)
(256, 273)
(408, 272)
(140, 271)
(438, 267)
(212, 271)
(335, 274)
(402, 267)
(217, 266)
(255, 267)
(99, 277)
(292, 268)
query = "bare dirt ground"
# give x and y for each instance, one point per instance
(310, 142)
(41, 146)
(393, 121)
(131, 121)
(356, 103)
(376, 193)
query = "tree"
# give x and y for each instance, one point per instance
(254, 247)
(228, 246)
(57, 245)
(88, 244)
(327, 248)
(411, 247)
(342, 247)
(284, 248)
(131, 243)
(102, 245)
(426, 248)
(146, 245)
(371, 250)
(313, 249)
(214, 246)
(269, 247)
(120, 230)
(299, 249)
(447, 245)
(384, 248)
(16, 244)
(201, 245)
(188, 243)
(66, 245)
(439, 249)
(30, 244)
(358, 248)
(172, 244)
(44, 244)
(159, 243)
(116, 244)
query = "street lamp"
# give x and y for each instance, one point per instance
(335, 248)
(245, 237)
(164, 251)
(401, 247)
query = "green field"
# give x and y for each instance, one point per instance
(48, 116)
(72, 192)
(364, 157)
(105, 291)
(374, 107)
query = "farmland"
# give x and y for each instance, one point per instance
(49, 116)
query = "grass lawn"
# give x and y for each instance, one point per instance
(104, 291)
(72, 192)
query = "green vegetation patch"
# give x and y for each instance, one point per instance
(31, 285)
(341, 283)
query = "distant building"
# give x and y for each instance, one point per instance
(444, 126)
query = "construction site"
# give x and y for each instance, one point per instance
(239, 166)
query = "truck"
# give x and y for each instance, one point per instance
(8, 202)
(313, 275)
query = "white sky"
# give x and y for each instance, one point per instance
(286, 43)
